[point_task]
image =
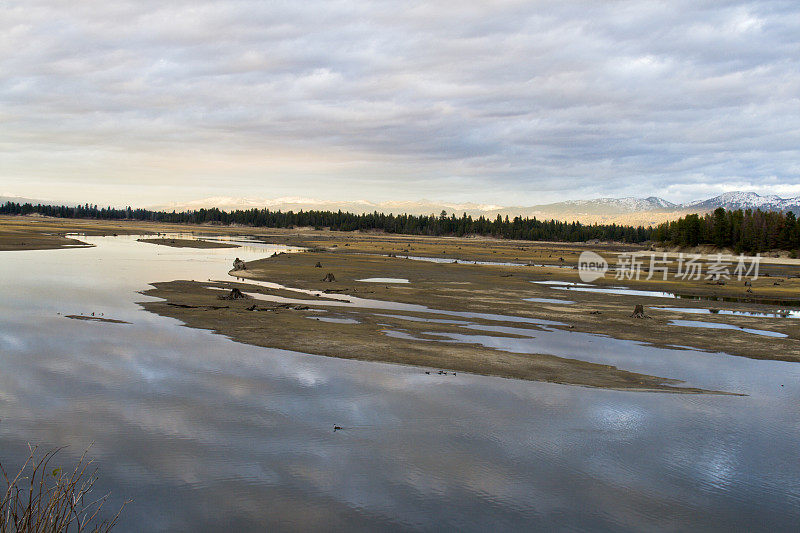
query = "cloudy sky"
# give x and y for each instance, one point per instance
(143, 102)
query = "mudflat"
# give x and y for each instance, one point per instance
(89, 318)
(511, 287)
(46, 233)
(307, 322)
(356, 334)
(189, 243)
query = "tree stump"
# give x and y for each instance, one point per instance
(235, 294)
(638, 312)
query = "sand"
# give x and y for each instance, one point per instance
(189, 243)
(454, 287)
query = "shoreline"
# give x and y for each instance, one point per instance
(187, 243)
(454, 288)
(291, 327)
(450, 286)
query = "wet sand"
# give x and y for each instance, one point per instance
(502, 290)
(293, 327)
(45, 233)
(96, 319)
(452, 287)
(18, 234)
(188, 243)
(457, 287)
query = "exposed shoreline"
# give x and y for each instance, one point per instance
(452, 287)
(291, 327)
(188, 243)
(90, 318)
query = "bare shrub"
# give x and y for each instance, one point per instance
(43, 497)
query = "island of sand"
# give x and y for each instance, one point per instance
(307, 322)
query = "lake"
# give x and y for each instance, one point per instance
(206, 434)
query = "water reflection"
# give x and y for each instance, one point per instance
(549, 301)
(627, 291)
(383, 280)
(771, 313)
(719, 325)
(208, 434)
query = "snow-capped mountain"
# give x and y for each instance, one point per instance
(746, 200)
(628, 210)
(728, 200)
(630, 204)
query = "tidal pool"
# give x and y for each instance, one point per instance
(206, 434)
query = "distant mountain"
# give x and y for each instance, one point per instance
(601, 206)
(728, 200)
(23, 200)
(422, 207)
(630, 204)
(746, 200)
(636, 211)
(630, 210)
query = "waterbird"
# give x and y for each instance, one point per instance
(335, 427)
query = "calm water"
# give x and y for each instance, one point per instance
(585, 287)
(207, 434)
(718, 325)
(773, 313)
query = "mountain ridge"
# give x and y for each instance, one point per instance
(627, 210)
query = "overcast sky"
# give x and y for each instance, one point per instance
(503, 102)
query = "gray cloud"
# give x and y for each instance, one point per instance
(508, 102)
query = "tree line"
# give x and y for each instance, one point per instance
(530, 229)
(750, 231)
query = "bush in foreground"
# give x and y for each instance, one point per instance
(43, 497)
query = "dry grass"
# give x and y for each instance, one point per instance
(44, 498)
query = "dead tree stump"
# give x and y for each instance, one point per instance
(235, 294)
